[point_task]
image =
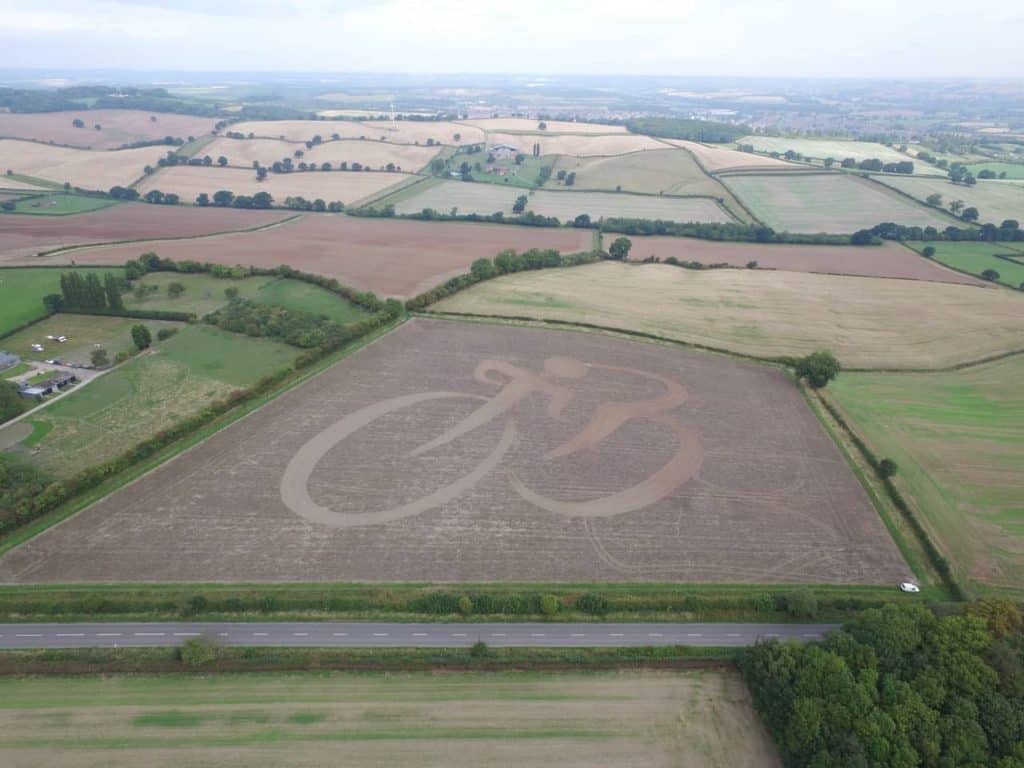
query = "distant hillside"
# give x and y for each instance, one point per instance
(680, 128)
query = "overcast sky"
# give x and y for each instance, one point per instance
(827, 38)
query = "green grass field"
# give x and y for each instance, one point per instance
(305, 297)
(151, 392)
(524, 175)
(59, 204)
(203, 293)
(83, 332)
(995, 200)
(1012, 170)
(22, 290)
(958, 438)
(975, 258)
(685, 719)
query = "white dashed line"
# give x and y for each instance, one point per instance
(497, 634)
(419, 634)
(260, 634)
(68, 634)
(655, 634)
(186, 634)
(577, 634)
(300, 634)
(773, 634)
(614, 634)
(809, 635)
(28, 635)
(694, 634)
(536, 634)
(380, 634)
(734, 634)
(105, 634)
(145, 634)
(341, 634)
(458, 634)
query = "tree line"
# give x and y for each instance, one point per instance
(87, 293)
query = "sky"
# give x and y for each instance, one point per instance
(764, 38)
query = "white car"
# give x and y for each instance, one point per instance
(908, 586)
(37, 347)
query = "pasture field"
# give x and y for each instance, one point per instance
(958, 438)
(151, 392)
(527, 125)
(1012, 170)
(486, 199)
(374, 154)
(119, 127)
(80, 167)
(995, 200)
(83, 332)
(298, 296)
(838, 150)
(867, 323)
(975, 258)
(399, 132)
(22, 237)
(691, 719)
(577, 144)
(58, 204)
(389, 257)
(345, 186)
(203, 293)
(648, 464)
(22, 291)
(524, 175)
(887, 260)
(718, 158)
(827, 202)
(667, 171)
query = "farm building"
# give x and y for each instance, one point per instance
(51, 385)
(8, 360)
(503, 151)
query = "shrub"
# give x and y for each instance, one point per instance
(231, 292)
(593, 603)
(928, 251)
(991, 275)
(99, 358)
(887, 467)
(480, 650)
(549, 605)
(199, 651)
(751, 265)
(802, 604)
(165, 333)
(465, 605)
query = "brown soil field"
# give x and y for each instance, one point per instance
(525, 125)
(715, 158)
(375, 154)
(346, 186)
(582, 146)
(399, 132)
(81, 167)
(120, 127)
(389, 257)
(888, 260)
(451, 451)
(23, 236)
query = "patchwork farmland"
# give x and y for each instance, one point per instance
(117, 127)
(865, 322)
(79, 167)
(828, 202)
(662, 171)
(376, 155)
(389, 257)
(996, 201)
(326, 482)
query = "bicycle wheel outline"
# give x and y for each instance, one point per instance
(294, 485)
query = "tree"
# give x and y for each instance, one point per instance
(174, 290)
(112, 289)
(991, 275)
(570, 178)
(78, 123)
(619, 249)
(969, 214)
(520, 204)
(542, 126)
(231, 292)
(482, 269)
(222, 161)
(956, 206)
(934, 199)
(53, 302)
(202, 199)
(802, 604)
(928, 251)
(223, 198)
(829, 162)
(437, 166)
(582, 221)
(99, 358)
(465, 605)
(819, 368)
(887, 467)
(141, 336)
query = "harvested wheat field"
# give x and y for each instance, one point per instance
(450, 451)
(399, 132)
(838, 150)
(345, 186)
(80, 167)
(887, 260)
(118, 127)
(691, 719)
(717, 158)
(374, 154)
(866, 322)
(23, 236)
(389, 257)
(580, 145)
(656, 171)
(300, 130)
(996, 201)
(526, 125)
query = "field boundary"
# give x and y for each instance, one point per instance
(987, 283)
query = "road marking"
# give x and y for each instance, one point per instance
(380, 634)
(341, 634)
(734, 634)
(614, 634)
(145, 634)
(773, 634)
(497, 634)
(68, 634)
(809, 635)
(28, 635)
(260, 634)
(301, 634)
(655, 634)
(536, 634)
(577, 634)
(105, 634)
(694, 634)
(223, 634)
(419, 634)
(458, 634)
(186, 634)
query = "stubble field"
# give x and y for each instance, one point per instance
(373, 154)
(866, 322)
(399, 132)
(577, 144)
(995, 200)
(668, 171)
(526, 125)
(462, 452)
(80, 167)
(387, 256)
(119, 127)
(718, 158)
(697, 719)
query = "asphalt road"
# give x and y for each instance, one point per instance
(392, 635)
